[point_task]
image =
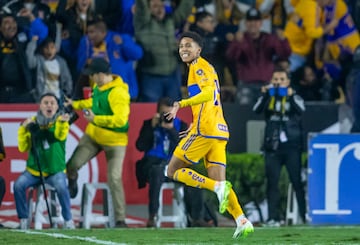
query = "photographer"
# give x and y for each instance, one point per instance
(44, 137)
(282, 140)
(158, 138)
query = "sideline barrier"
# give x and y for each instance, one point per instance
(334, 179)
(320, 116)
(95, 171)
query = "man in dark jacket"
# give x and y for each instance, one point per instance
(282, 140)
(15, 80)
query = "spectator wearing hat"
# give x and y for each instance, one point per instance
(253, 53)
(107, 112)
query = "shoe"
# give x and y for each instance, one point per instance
(121, 224)
(24, 224)
(272, 223)
(69, 225)
(244, 229)
(222, 193)
(152, 221)
(73, 187)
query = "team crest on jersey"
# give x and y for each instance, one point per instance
(200, 72)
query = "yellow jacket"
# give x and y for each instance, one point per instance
(110, 125)
(304, 26)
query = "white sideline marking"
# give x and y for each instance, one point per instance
(58, 235)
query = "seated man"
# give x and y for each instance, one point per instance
(158, 138)
(44, 137)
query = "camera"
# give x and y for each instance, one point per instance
(276, 90)
(33, 128)
(164, 119)
(73, 115)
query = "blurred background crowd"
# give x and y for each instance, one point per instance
(46, 44)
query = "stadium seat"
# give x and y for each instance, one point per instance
(38, 210)
(178, 214)
(89, 218)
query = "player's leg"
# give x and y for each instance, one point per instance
(189, 151)
(215, 162)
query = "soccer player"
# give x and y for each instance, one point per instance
(208, 135)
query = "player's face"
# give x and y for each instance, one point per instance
(48, 106)
(188, 50)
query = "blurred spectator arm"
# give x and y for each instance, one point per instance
(234, 51)
(266, 6)
(130, 49)
(142, 14)
(30, 53)
(61, 11)
(82, 53)
(113, 12)
(289, 8)
(311, 23)
(182, 11)
(281, 45)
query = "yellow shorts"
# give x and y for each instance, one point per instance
(193, 148)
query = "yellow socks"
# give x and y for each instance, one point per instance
(234, 207)
(194, 179)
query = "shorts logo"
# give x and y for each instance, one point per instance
(223, 127)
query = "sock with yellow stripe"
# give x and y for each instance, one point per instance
(194, 179)
(234, 207)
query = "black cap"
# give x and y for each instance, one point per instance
(253, 14)
(97, 65)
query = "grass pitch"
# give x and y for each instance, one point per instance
(284, 235)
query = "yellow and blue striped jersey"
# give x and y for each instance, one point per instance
(208, 118)
(345, 37)
(304, 26)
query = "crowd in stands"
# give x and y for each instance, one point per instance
(244, 41)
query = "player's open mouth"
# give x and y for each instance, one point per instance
(185, 55)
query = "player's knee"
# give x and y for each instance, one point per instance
(169, 173)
